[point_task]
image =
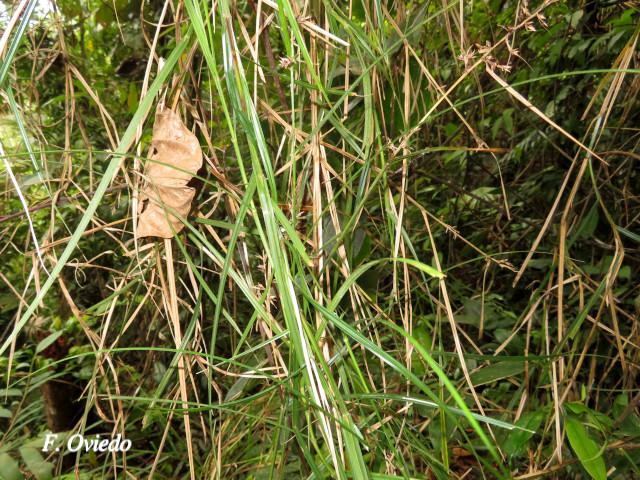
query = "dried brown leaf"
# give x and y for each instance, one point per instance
(175, 159)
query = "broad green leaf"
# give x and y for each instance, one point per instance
(586, 449)
(507, 118)
(575, 18)
(41, 469)
(516, 442)
(9, 469)
(46, 342)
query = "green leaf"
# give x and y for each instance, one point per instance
(8, 302)
(507, 118)
(46, 342)
(575, 18)
(10, 392)
(41, 469)
(495, 129)
(629, 234)
(517, 440)
(132, 97)
(9, 469)
(577, 407)
(585, 448)
(497, 371)
(589, 224)
(237, 389)
(421, 266)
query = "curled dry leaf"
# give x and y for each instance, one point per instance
(175, 159)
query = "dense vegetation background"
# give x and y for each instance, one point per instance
(413, 252)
